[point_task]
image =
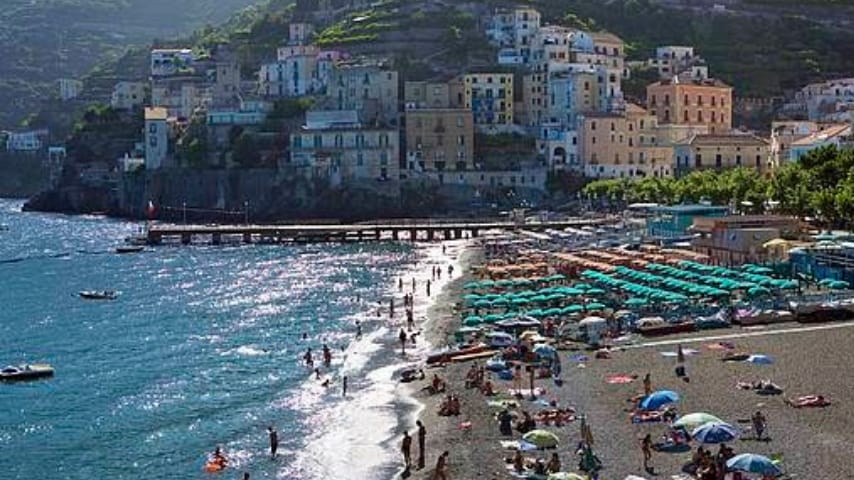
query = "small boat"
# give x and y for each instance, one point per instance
(450, 355)
(26, 372)
(129, 248)
(98, 295)
(656, 326)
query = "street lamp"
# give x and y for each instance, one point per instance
(184, 211)
(246, 212)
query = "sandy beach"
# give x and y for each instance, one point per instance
(813, 442)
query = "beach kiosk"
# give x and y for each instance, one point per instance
(672, 223)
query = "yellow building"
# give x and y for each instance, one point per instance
(490, 98)
(615, 145)
(439, 140)
(692, 101)
(723, 151)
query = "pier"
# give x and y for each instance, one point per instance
(286, 234)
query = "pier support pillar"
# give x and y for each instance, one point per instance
(395, 235)
(473, 233)
(247, 237)
(186, 238)
(413, 235)
(430, 234)
(458, 233)
(216, 239)
(446, 235)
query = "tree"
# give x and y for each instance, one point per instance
(245, 151)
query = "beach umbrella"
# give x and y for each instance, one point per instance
(487, 284)
(553, 311)
(468, 330)
(482, 303)
(572, 309)
(500, 339)
(592, 321)
(753, 463)
(539, 299)
(715, 432)
(541, 438)
(535, 312)
(596, 291)
(504, 283)
(472, 320)
(635, 302)
(500, 302)
(493, 317)
(658, 399)
(594, 306)
(839, 285)
(471, 286)
(556, 277)
(565, 476)
(471, 296)
(760, 359)
(520, 301)
(523, 282)
(583, 286)
(694, 420)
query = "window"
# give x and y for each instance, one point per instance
(631, 142)
(339, 140)
(612, 126)
(616, 159)
(700, 100)
(318, 141)
(360, 159)
(685, 101)
(631, 127)
(667, 116)
(758, 161)
(737, 158)
(714, 116)
(360, 140)
(667, 99)
(592, 125)
(593, 140)
(383, 158)
(461, 140)
(461, 121)
(700, 116)
(384, 140)
(685, 116)
(718, 160)
(698, 161)
(714, 101)
(297, 141)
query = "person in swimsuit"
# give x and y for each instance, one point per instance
(274, 440)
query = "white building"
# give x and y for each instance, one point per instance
(292, 77)
(828, 101)
(334, 145)
(170, 61)
(828, 135)
(513, 31)
(156, 137)
(29, 141)
(69, 88)
(128, 95)
(370, 88)
(672, 60)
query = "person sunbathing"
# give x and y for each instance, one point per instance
(808, 401)
(735, 357)
(518, 462)
(487, 389)
(643, 416)
(526, 424)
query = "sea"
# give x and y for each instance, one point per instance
(202, 348)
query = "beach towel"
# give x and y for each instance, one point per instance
(502, 403)
(720, 346)
(579, 358)
(686, 351)
(619, 379)
(509, 444)
(525, 392)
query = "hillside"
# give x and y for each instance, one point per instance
(43, 40)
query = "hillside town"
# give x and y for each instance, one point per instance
(550, 106)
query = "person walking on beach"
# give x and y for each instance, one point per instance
(646, 448)
(274, 440)
(759, 422)
(428, 287)
(444, 249)
(422, 437)
(402, 337)
(400, 284)
(406, 448)
(344, 386)
(441, 467)
(309, 361)
(410, 321)
(327, 356)
(391, 308)
(531, 374)
(517, 380)
(358, 330)
(413, 284)
(647, 385)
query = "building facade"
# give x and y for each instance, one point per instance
(370, 88)
(439, 140)
(170, 61)
(69, 88)
(128, 95)
(512, 30)
(688, 101)
(156, 138)
(701, 152)
(489, 96)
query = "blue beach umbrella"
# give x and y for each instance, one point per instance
(715, 432)
(752, 463)
(760, 359)
(658, 399)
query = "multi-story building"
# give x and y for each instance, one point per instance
(128, 95)
(156, 137)
(181, 96)
(335, 145)
(226, 83)
(736, 240)
(512, 31)
(722, 151)
(490, 98)
(289, 78)
(300, 32)
(783, 133)
(605, 50)
(371, 88)
(449, 94)
(673, 60)
(615, 145)
(28, 141)
(690, 101)
(828, 101)
(439, 139)
(171, 61)
(69, 88)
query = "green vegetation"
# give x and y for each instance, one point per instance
(759, 56)
(821, 185)
(44, 40)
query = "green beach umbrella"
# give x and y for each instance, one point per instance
(472, 320)
(520, 301)
(493, 317)
(535, 312)
(523, 282)
(595, 291)
(500, 302)
(471, 285)
(539, 299)
(482, 303)
(572, 309)
(635, 302)
(554, 311)
(583, 286)
(594, 306)
(504, 283)
(541, 438)
(694, 420)
(487, 284)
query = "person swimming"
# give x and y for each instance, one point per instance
(327, 355)
(218, 458)
(309, 361)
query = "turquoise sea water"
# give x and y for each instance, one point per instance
(201, 349)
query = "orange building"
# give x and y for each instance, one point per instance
(685, 101)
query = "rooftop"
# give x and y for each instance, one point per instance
(687, 80)
(822, 135)
(686, 209)
(605, 37)
(725, 140)
(156, 113)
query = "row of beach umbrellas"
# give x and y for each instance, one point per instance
(516, 282)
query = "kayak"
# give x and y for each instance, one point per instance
(213, 467)
(98, 295)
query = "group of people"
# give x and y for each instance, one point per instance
(450, 406)
(539, 466)
(478, 378)
(706, 466)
